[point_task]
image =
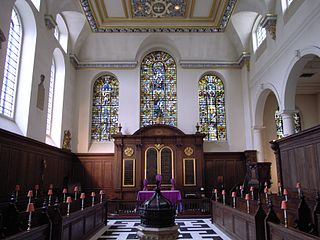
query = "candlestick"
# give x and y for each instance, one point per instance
(64, 191)
(285, 216)
(285, 193)
(49, 194)
(30, 195)
(69, 201)
(17, 192)
(93, 194)
(224, 197)
(82, 197)
(252, 192)
(298, 186)
(101, 195)
(266, 193)
(233, 195)
(241, 191)
(76, 189)
(247, 198)
(30, 209)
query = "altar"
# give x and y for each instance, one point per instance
(174, 196)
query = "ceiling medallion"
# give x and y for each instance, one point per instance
(158, 8)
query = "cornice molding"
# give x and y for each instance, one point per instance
(199, 64)
(77, 64)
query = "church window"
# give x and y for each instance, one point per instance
(105, 108)
(50, 96)
(279, 123)
(158, 81)
(261, 35)
(212, 108)
(10, 79)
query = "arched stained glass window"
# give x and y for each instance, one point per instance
(105, 108)
(212, 108)
(10, 77)
(158, 90)
(279, 123)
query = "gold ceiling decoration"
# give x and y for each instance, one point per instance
(158, 15)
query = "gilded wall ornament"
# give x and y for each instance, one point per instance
(129, 151)
(158, 146)
(188, 151)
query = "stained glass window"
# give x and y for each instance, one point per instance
(158, 89)
(105, 108)
(212, 108)
(279, 123)
(10, 77)
(50, 97)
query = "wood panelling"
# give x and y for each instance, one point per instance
(298, 160)
(28, 162)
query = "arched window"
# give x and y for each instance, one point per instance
(11, 69)
(50, 97)
(36, 3)
(279, 123)
(261, 34)
(158, 88)
(105, 108)
(212, 108)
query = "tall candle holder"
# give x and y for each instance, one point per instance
(285, 194)
(30, 210)
(64, 191)
(76, 189)
(285, 216)
(241, 191)
(82, 197)
(234, 195)
(224, 197)
(93, 194)
(252, 192)
(216, 194)
(30, 195)
(298, 186)
(69, 201)
(101, 195)
(49, 194)
(247, 198)
(266, 194)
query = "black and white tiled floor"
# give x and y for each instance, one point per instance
(125, 229)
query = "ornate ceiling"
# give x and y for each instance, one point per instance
(158, 15)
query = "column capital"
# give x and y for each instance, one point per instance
(288, 112)
(258, 127)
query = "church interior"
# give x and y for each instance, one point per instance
(215, 102)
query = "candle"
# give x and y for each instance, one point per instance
(279, 189)
(30, 195)
(241, 191)
(216, 194)
(224, 197)
(284, 208)
(64, 191)
(266, 193)
(49, 194)
(82, 197)
(247, 198)
(233, 195)
(285, 193)
(76, 189)
(101, 195)
(252, 192)
(69, 201)
(298, 186)
(30, 209)
(93, 194)
(17, 191)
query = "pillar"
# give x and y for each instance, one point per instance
(258, 142)
(287, 121)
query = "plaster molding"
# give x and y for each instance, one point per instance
(49, 21)
(77, 64)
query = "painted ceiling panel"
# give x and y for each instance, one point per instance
(203, 8)
(114, 9)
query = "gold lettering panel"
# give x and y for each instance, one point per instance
(189, 172)
(128, 173)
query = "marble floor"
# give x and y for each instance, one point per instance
(191, 228)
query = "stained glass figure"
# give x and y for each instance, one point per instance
(212, 108)
(105, 108)
(279, 123)
(158, 90)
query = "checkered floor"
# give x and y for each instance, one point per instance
(125, 229)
